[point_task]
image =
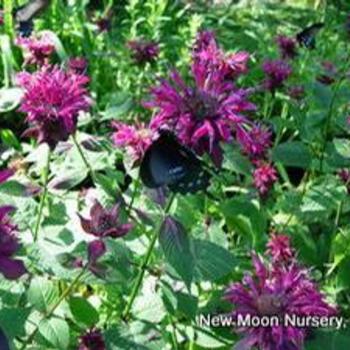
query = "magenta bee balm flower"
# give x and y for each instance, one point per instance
(52, 101)
(276, 73)
(276, 290)
(265, 175)
(92, 340)
(203, 114)
(37, 49)
(5, 175)
(143, 51)
(287, 46)
(135, 138)
(10, 267)
(256, 141)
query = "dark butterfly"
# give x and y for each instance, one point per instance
(24, 15)
(169, 163)
(307, 37)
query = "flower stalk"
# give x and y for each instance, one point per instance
(43, 196)
(145, 262)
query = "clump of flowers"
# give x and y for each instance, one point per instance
(277, 289)
(204, 113)
(143, 51)
(78, 65)
(287, 47)
(103, 223)
(92, 340)
(52, 101)
(276, 73)
(37, 49)
(256, 141)
(10, 267)
(265, 175)
(135, 138)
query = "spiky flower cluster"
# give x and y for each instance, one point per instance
(92, 340)
(287, 47)
(37, 49)
(209, 110)
(135, 138)
(52, 101)
(276, 73)
(276, 288)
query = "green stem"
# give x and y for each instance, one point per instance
(330, 111)
(145, 262)
(65, 293)
(8, 9)
(83, 157)
(43, 196)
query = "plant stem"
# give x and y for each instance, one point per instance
(65, 293)
(83, 157)
(145, 262)
(43, 196)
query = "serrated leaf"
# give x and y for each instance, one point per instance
(42, 294)
(56, 332)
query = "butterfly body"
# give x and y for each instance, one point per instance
(24, 15)
(169, 163)
(307, 37)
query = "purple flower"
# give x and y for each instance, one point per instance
(1, 17)
(11, 268)
(280, 249)
(297, 92)
(202, 115)
(78, 65)
(105, 222)
(207, 53)
(276, 290)
(143, 51)
(276, 72)
(5, 175)
(256, 141)
(92, 340)
(37, 49)
(287, 46)
(265, 175)
(53, 99)
(135, 138)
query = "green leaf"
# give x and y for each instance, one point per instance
(56, 332)
(13, 188)
(212, 262)
(42, 294)
(294, 154)
(83, 312)
(9, 139)
(176, 247)
(68, 180)
(12, 321)
(121, 105)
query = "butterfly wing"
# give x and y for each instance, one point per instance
(307, 37)
(24, 15)
(168, 163)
